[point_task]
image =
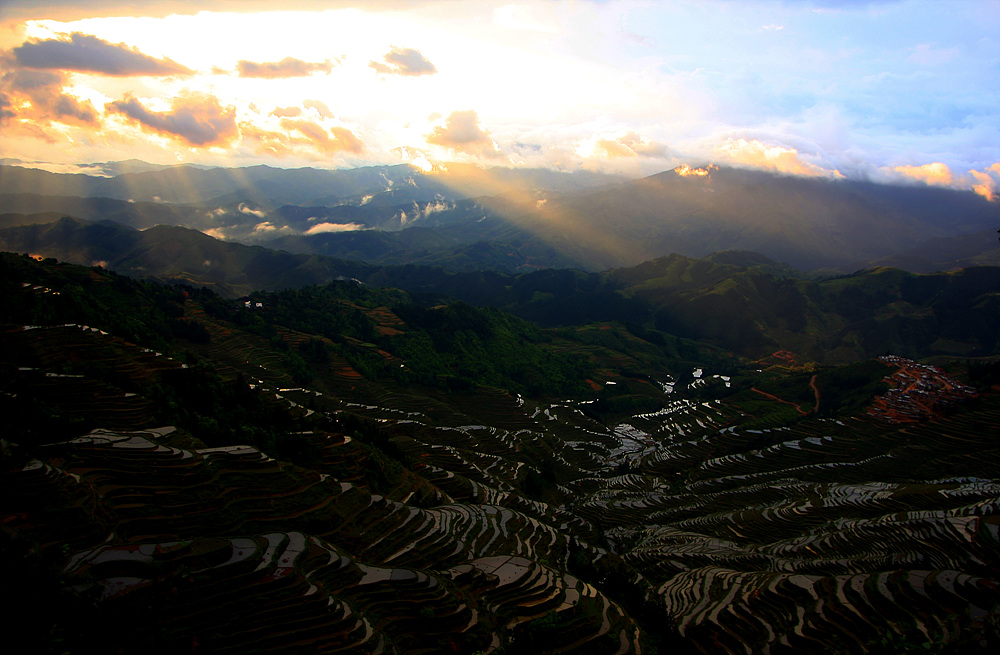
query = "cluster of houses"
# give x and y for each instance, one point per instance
(917, 391)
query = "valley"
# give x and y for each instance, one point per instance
(182, 466)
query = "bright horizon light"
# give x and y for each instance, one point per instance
(887, 90)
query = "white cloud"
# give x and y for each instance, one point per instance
(247, 209)
(775, 157)
(334, 227)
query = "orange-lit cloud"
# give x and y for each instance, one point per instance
(88, 54)
(686, 171)
(320, 108)
(287, 67)
(332, 140)
(987, 182)
(404, 61)
(196, 118)
(28, 129)
(630, 144)
(37, 96)
(461, 132)
(275, 144)
(287, 112)
(935, 173)
(777, 158)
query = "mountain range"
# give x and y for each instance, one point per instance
(738, 300)
(531, 219)
(495, 411)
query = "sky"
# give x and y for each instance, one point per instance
(888, 90)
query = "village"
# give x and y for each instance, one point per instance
(917, 392)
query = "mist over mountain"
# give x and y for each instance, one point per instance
(806, 222)
(189, 184)
(553, 219)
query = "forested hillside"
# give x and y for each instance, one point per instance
(346, 469)
(739, 301)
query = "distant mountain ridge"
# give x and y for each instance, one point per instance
(740, 301)
(580, 219)
(301, 186)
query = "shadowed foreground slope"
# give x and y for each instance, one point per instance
(195, 497)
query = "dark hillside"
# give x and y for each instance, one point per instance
(738, 301)
(336, 463)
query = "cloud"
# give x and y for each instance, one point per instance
(86, 53)
(247, 209)
(462, 132)
(38, 96)
(274, 144)
(197, 118)
(216, 233)
(935, 173)
(630, 144)
(287, 67)
(985, 185)
(28, 130)
(419, 212)
(686, 171)
(334, 227)
(264, 228)
(287, 112)
(404, 61)
(320, 108)
(334, 139)
(301, 137)
(5, 105)
(417, 159)
(773, 157)
(68, 107)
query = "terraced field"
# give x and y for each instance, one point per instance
(414, 520)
